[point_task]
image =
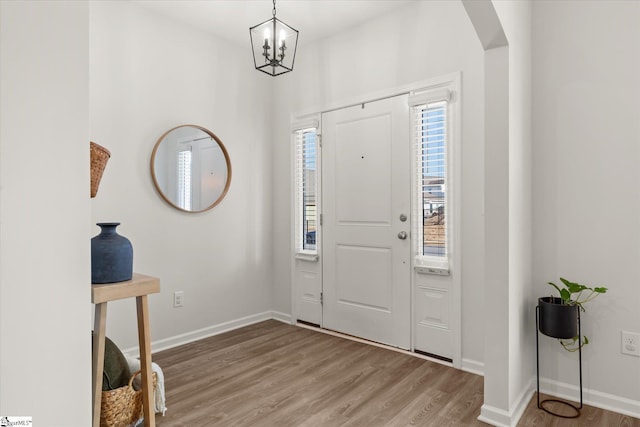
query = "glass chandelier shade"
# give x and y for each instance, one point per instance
(274, 45)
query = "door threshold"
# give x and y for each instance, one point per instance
(435, 356)
(417, 353)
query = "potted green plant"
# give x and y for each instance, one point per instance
(559, 315)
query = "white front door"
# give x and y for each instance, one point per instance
(366, 224)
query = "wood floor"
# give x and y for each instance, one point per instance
(589, 417)
(273, 374)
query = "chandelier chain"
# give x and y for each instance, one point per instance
(274, 8)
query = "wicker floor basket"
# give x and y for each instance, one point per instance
(99, 158)
(122, 406)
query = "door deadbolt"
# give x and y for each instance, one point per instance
(403, 217)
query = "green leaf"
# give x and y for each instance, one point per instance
(565, 295)
(565, 281)
(572, 344)
(600, 290)
(576, 287)
(555, 286)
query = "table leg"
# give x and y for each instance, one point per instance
(144, 341)
(99, 328)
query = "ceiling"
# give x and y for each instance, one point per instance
(231, 19)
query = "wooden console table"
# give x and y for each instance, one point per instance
(139, 287)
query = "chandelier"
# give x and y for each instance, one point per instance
(270, 42)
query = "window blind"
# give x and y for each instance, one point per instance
(306, 190)
(430, 179)
(184, 179)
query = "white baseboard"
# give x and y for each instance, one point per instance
(609, 402)
(209, 331)
(501, 418)
(473, 367)
(282, 317)
(494, 416)
(590, 397)
(522, 401)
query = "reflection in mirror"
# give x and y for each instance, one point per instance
(191, 168)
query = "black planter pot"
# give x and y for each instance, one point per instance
(558, 320)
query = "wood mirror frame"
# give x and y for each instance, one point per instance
(204, 154)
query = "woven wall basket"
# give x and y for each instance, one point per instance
(122, 406)
(99, 158)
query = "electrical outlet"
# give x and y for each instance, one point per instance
(630, 343)
(178, 299)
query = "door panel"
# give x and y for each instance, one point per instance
(433, 321)
(366, 187)
(363, 171)
(365, 288)
(308, 282)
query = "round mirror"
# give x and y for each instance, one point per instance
(191, 168)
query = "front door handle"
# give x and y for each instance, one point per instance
(402, 235)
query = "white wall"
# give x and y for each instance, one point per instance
(45, 341)
(516, 21)
(586, 115)
(149, 74)
(505, 31)
(496, 209)
(415, 43)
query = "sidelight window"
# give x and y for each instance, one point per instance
(184, 179)
(306, 189)
(430, 111)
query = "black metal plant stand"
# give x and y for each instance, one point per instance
(541, 403)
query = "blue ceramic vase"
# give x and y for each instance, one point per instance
(111, 255)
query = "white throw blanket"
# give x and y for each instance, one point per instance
(158, 391)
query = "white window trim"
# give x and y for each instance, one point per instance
(449, 92)
(306, 123)
(299, 125)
